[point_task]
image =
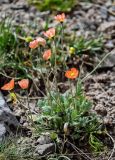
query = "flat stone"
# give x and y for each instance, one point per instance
(19, 7)
(112, 84)
(106, 25)
(45, 149)
(109, 45)
(44, 139)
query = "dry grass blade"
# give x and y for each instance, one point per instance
(81, 152)
(113, 51)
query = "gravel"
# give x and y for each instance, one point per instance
(89, 20)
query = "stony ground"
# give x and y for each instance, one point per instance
(89, 20)
(101, 88)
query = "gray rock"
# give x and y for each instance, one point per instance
(45, 149)
(4, 1)
(112, 18)
(44, 139)
(109, 44)
(42, 14)
(2, 131)
(104, 13)
(19, 7)
(106, 25)
(86, 5)
(8, 122)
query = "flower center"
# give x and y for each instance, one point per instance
(72, 74)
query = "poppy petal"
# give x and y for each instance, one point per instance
(9, 86)
(24, 83)
(47, 54)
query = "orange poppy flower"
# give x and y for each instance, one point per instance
(33, 44)
(47, 54)
(9, 86)
(60, 17)
(50, 33)
(41, 41)
(72, 73)
(24, 83)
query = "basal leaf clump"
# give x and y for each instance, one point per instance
(69, 114)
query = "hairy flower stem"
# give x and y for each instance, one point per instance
(62, 43)
(73, 94)
(62, 37)
(44, 80)
(97, 65)
(55, 65)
